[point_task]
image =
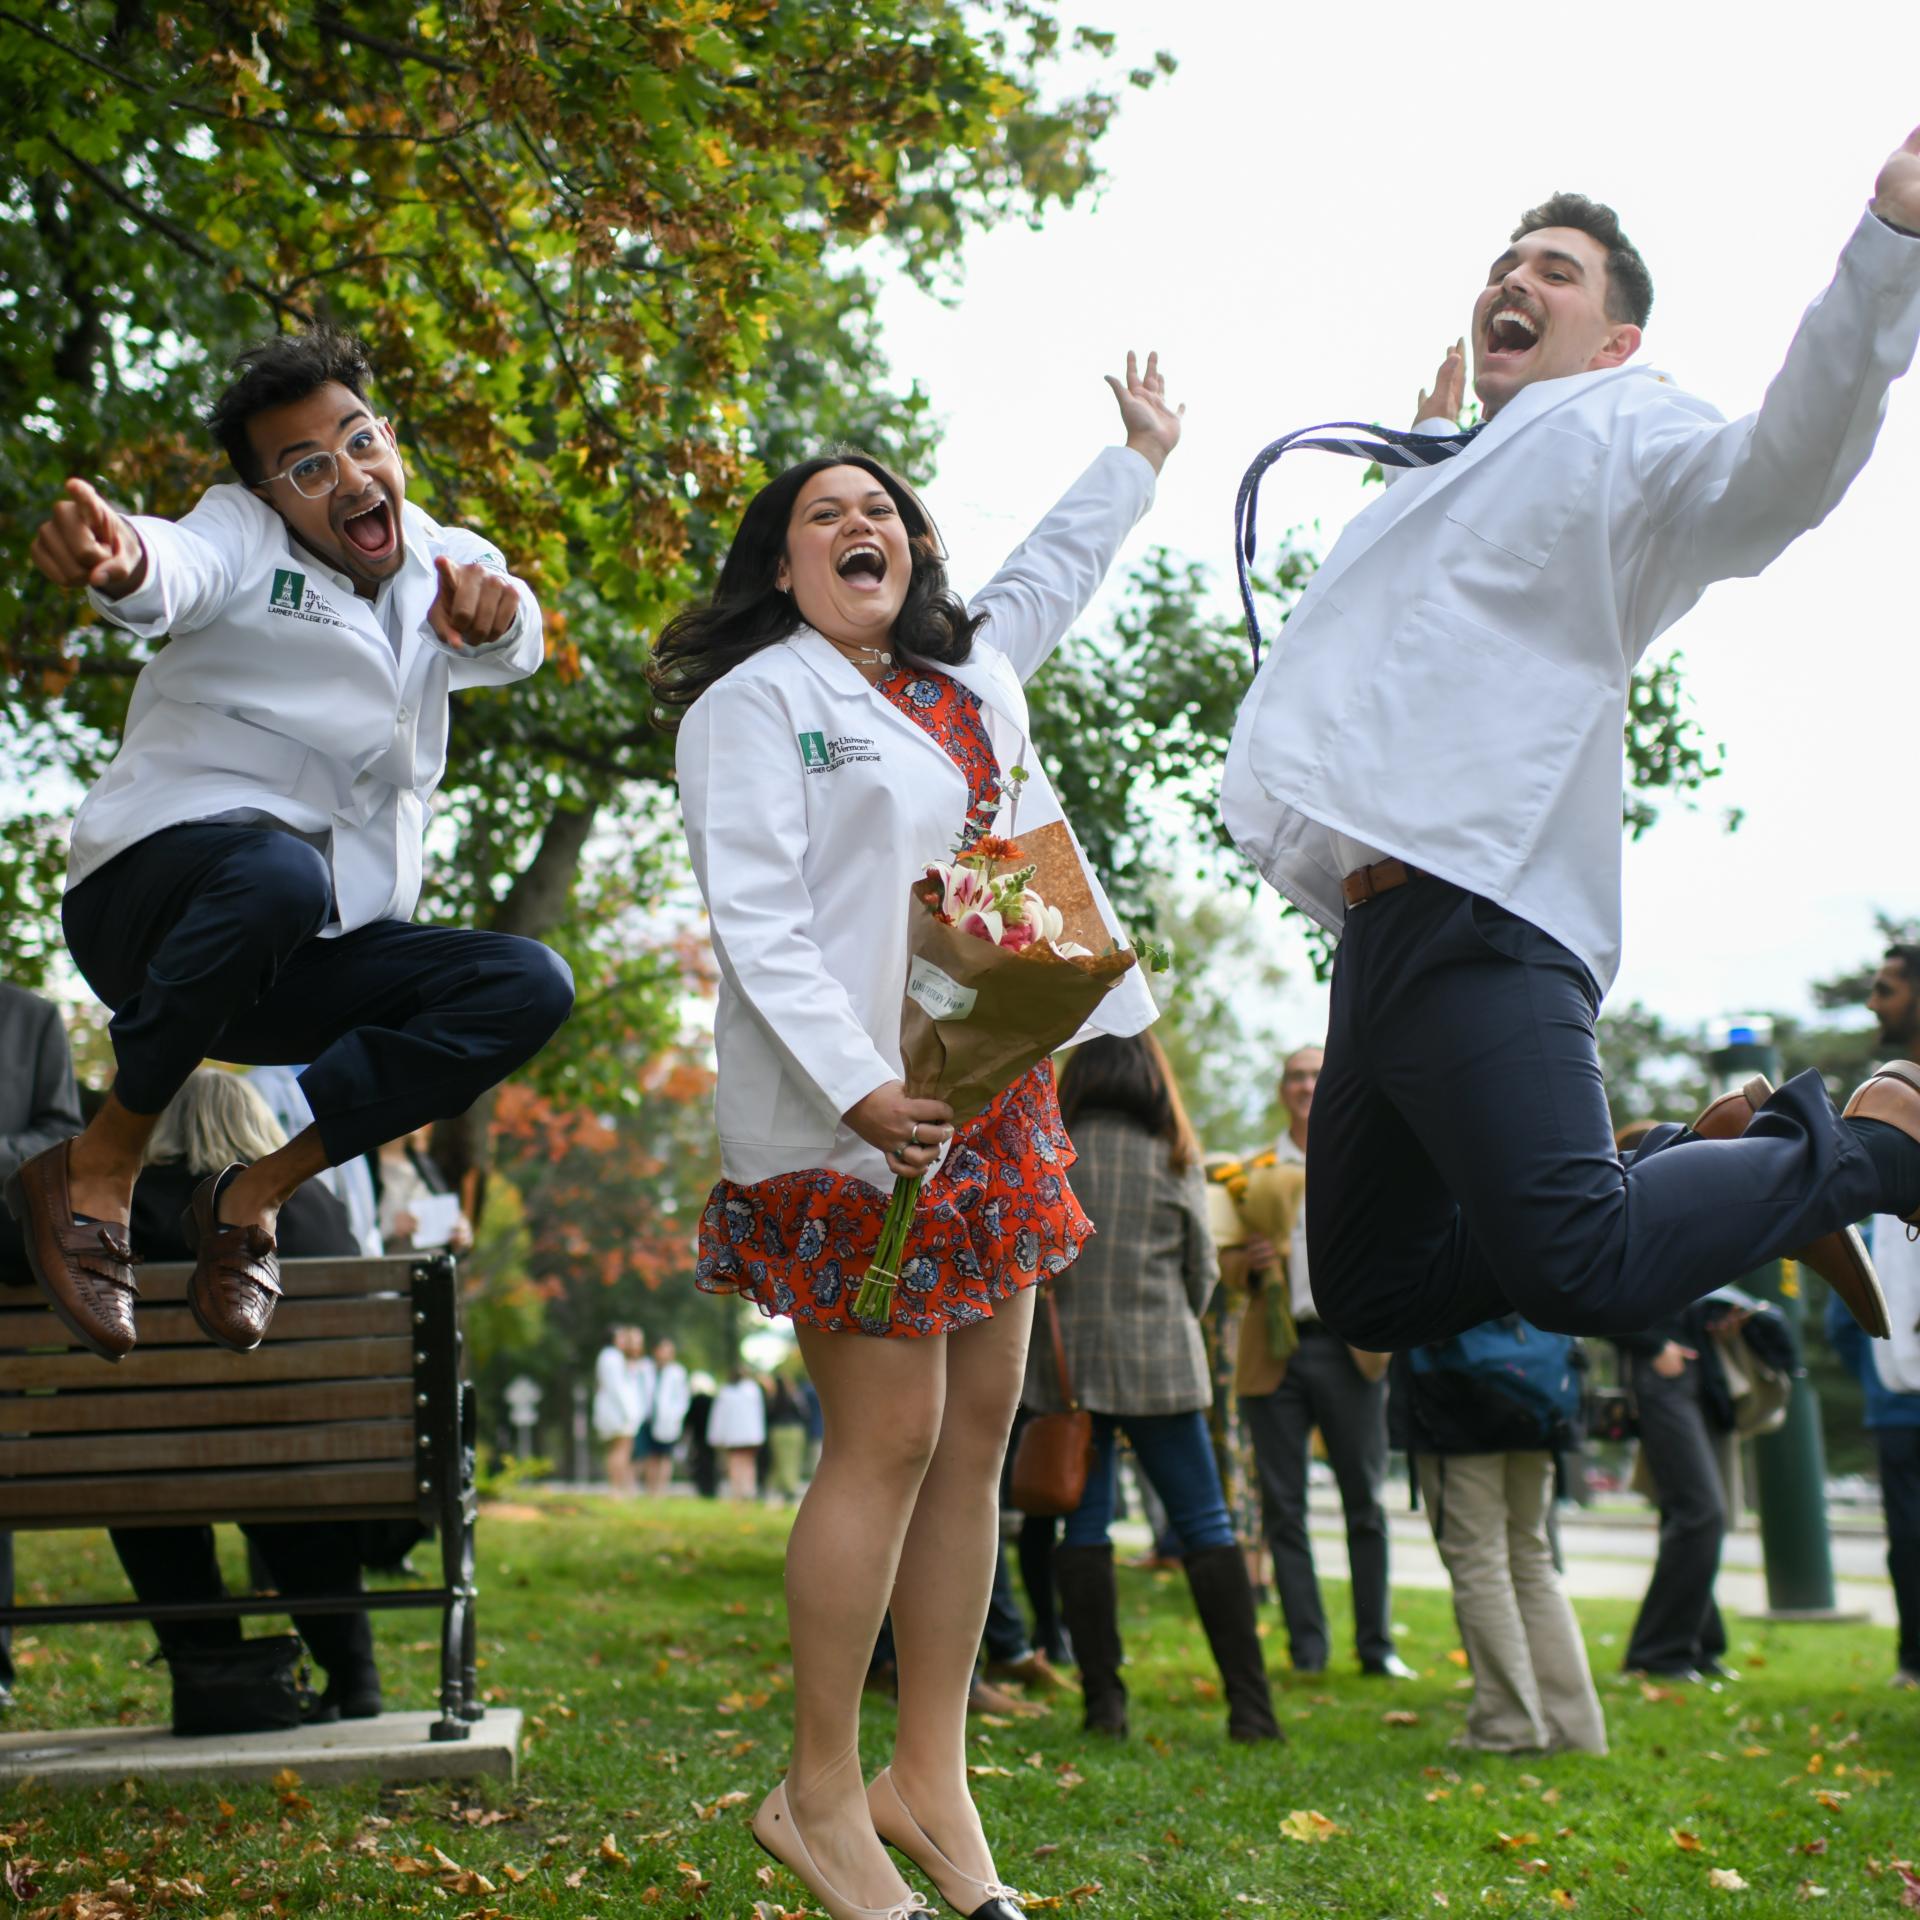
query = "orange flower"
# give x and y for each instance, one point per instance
(992, 849)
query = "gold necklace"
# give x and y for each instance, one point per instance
(872, 656)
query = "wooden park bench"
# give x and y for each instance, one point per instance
(353, 1408)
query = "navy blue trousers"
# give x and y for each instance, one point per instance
(204, 940)
(1463, 1162)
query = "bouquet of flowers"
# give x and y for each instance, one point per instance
(999, 975)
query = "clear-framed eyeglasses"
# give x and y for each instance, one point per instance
(315, 475)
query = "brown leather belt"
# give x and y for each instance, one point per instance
(1364, 883)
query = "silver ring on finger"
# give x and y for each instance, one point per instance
(913, 1138)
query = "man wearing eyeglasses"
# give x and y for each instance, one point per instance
(243, 875)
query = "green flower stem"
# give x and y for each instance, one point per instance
(875, 1299)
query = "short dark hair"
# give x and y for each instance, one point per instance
(1906, 957)
(277, 372)
(704, 642)
(1629, 284)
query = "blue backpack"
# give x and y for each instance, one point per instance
(1501, 1387)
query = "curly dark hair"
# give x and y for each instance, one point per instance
(277, 372)
(705, 642)
(1629, 284)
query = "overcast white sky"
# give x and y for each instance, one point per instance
(1299, 220)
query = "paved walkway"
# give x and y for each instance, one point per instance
(1608, 1556)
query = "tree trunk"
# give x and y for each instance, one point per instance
(534, 905)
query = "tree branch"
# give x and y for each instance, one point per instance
(533, 286)
(187, 242)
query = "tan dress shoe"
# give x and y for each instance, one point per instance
(236, 1271)
(1840, 1258)
(85, 1268)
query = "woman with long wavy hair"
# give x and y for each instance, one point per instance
(843, 719)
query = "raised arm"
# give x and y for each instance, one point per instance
(1046, 582)
(1725, 498)
(147, 575)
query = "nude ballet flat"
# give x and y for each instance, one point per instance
(893, 1821)
(776, 1834)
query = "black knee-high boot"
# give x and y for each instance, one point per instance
(1223, 1597)
(1091, 1609)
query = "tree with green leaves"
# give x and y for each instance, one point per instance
(612, 261)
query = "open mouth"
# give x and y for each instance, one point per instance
(1511, 333)
(863, 566)
(371, 532)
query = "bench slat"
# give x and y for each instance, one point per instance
(294, 1319)
(76, 1412)
(281, 1493)
(338, 1441)
(165, 1282)
(207, 1364)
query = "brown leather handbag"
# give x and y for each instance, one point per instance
(1055, 1454)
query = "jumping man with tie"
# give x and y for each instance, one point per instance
(1430, 762)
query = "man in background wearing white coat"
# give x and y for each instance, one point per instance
(243, 874)
(1431, 761)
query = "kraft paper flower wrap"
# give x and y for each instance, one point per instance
(995, 986)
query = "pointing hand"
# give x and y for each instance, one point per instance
(84, 543)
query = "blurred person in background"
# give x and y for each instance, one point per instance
(1129, 1323)
(618, 1411)
(214, 1120)
(351, 1182)
(1322, 1383)
(1889, 1370)
(737, 1429)
(39, 1105)
(786, 1437)
(407, 1178)
(667, 1419)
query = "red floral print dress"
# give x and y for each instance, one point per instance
(994, 1216)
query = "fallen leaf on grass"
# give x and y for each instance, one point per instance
(1305, 1824)
(1909, 1885)
(1726, 1880)
(1400, 1717)
(1563, 1899)
(1685, 1841)
(1806, 1890)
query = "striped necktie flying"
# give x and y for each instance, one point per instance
(1387, 445)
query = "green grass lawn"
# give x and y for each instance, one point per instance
(646, 1646)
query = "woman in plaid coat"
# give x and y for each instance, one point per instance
(1134, 1357)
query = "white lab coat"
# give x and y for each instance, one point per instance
(1452, 686)
(812, 804)
(279, 692)
(672, 1396)
(617, 1410)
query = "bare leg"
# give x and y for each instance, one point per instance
(658, 1468)
(258, 1193)
(940, 1593)
(620, 1465)
(881, 1400)
(104, 1161)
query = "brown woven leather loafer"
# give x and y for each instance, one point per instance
(1840, 1258)
(84, 1268)
(236, 1271)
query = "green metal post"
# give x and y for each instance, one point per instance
(1789, 1463)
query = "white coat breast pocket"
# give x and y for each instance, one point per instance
(1521, 501)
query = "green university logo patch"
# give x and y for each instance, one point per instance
(813, 749)
(289, 589)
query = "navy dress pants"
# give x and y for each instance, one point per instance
(205, 942)
(1463, 1161)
